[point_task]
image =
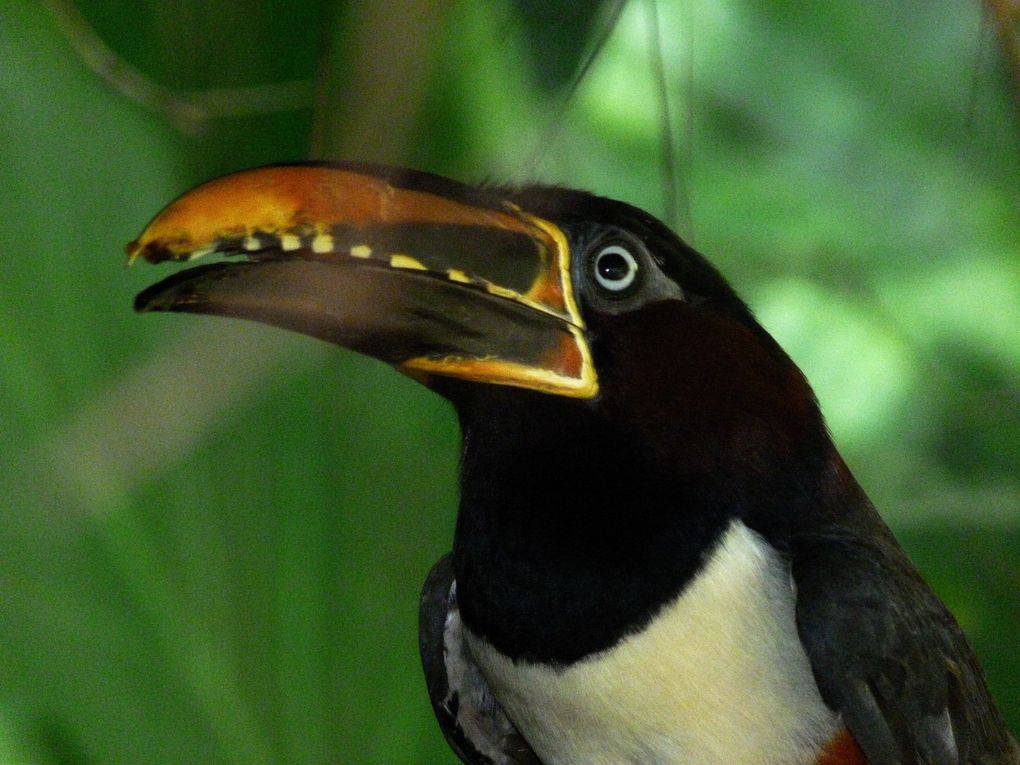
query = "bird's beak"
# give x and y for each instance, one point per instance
(429, 275)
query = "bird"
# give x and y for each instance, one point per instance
(659, 554)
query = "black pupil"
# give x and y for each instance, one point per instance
(613, 267)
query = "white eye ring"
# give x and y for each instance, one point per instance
(615, 268)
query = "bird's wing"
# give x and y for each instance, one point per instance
(474, 724)
(890, 658)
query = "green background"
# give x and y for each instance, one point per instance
(212, 534)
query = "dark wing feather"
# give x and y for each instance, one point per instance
(889, 656)
(474, 724)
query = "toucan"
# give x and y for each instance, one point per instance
(659, 556)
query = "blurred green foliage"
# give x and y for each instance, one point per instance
(213, 534)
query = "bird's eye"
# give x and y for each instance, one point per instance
(615, 268)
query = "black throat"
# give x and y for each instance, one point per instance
(570, 534)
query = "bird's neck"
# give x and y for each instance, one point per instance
(566, 522)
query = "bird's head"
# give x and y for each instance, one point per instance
(493, 297)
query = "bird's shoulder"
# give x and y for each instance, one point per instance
(888, 655)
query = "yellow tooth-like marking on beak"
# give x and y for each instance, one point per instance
(456, 275)
(503, 292)
(361, 251)
(252, 243)
(201, 253)
(399, 260)
(290, 242)
(322, 243)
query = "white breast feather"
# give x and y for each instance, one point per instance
(719, 677)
